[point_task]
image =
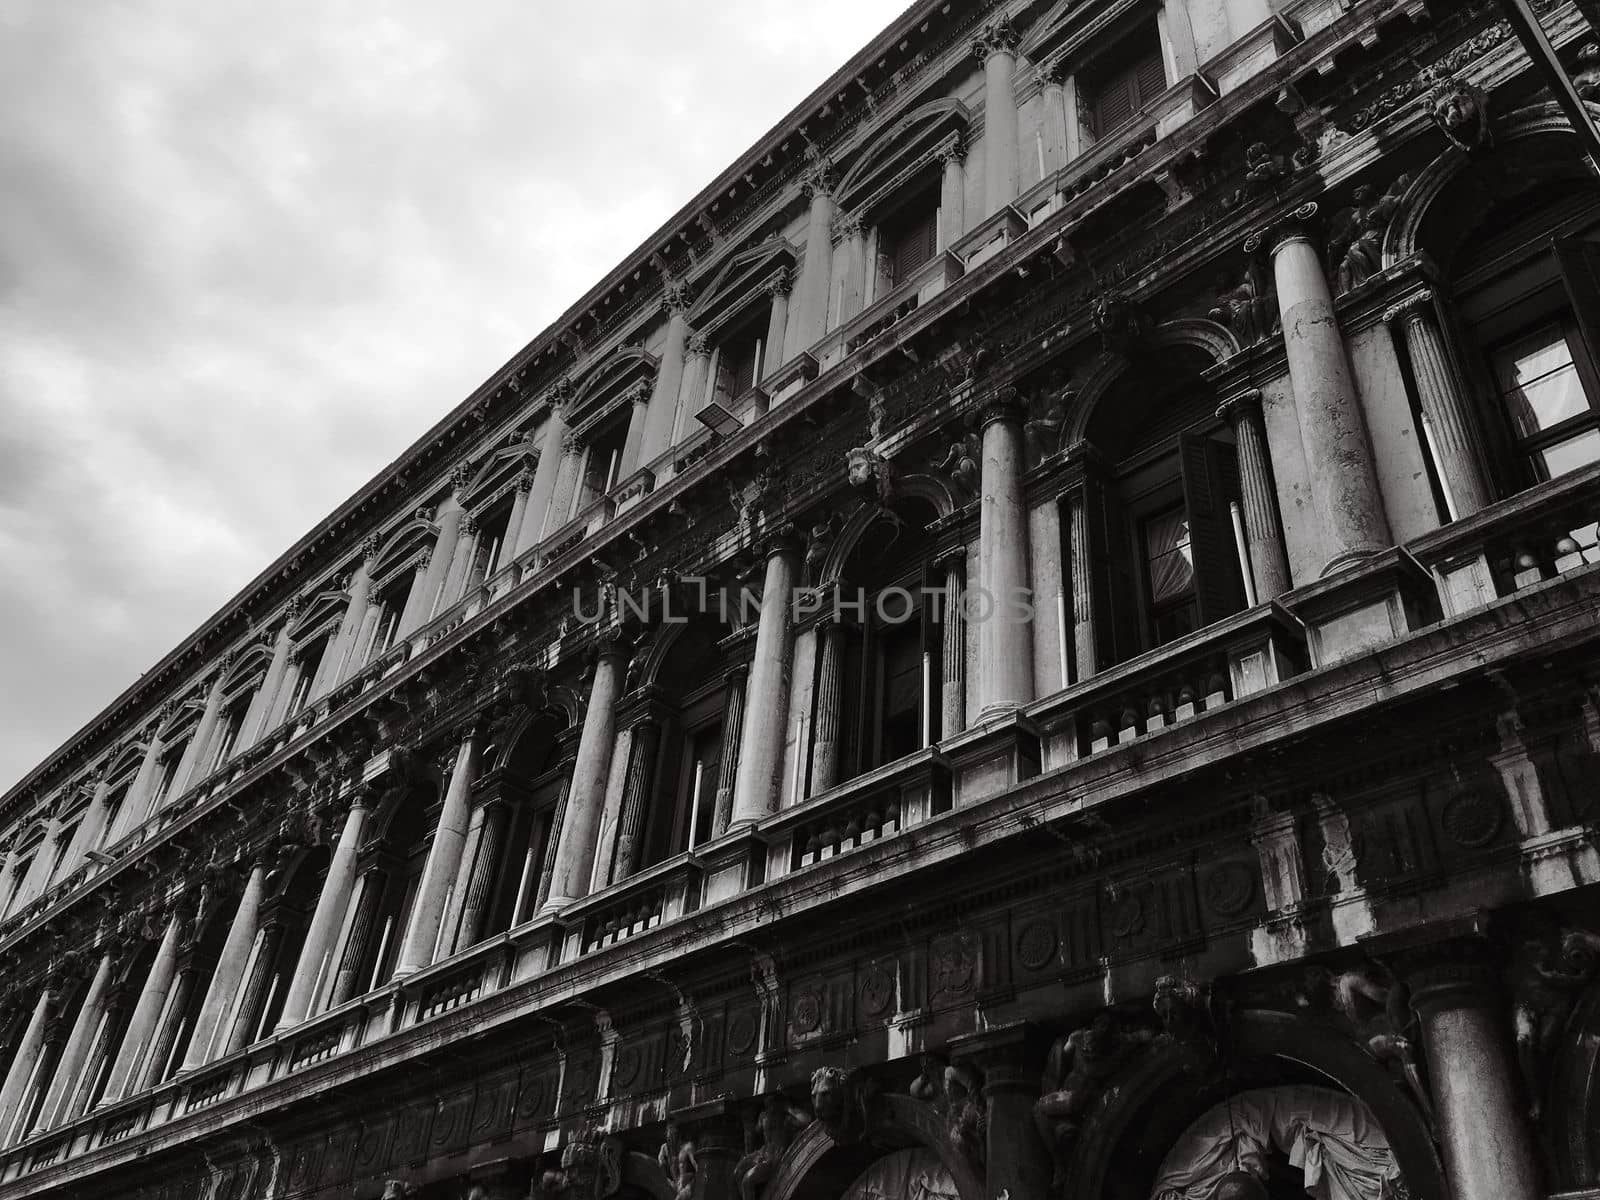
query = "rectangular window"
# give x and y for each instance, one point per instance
(391, 605)
(739, 365)
(1132, 77)
(698, 797)
(228, 734)
(909, 239)
(602, 468)
(17, 880)
(108, 828)
(1539, 384)
(167, 775)
(1169, 575)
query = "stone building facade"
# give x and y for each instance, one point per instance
(1038, 640)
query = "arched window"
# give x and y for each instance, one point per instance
(1167, 530)
(392, 863)
(289, 913)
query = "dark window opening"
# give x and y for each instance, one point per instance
(908, 239)
(602, 465)
(739, 362)
(306, 675)
(489, 553)
(1132, 76)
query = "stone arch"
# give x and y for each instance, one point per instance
(1264, 1035)
(946, 109)
(744, 262)
(652, 657)
(929, 489)
(1405, 235)
(900, 1122)
(253, 658)
(1197, 333)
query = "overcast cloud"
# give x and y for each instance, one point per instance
(249, 252)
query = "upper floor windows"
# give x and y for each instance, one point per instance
(166, 776)
(228, 731)
(1542, 388)
(310, 662)
(908, 238)
(602, 461)
(1121, 83)
(738, 362)
(390, 605)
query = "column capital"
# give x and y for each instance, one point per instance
(844, 226)
(370, 545)
(1297, 225)
(1412, 308)
(698, 345)
(819, 178)
(1051, 74)
(1240, 406)
(675, 297)
(1004, 404)
(460, 476)
(781, 283)
(525, 481)
(997, 37)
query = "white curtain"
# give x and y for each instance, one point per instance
(905, 1175)
(1330, 1136)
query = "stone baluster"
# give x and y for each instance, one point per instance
(1263, 530)
(996, 48)
(1005, 630)
(1440, 396)
(444, 859)
(766, 713)
(326, 919)
(1333, 429)
(573, 865)
(228, 977)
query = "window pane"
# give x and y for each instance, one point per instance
(1167, 553)
(1539, 382)
(1571, 454)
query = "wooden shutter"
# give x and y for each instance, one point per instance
(1150, 78)
(1219, 589)
(914, 246)
(1115, 582)
(1113, 104)
(1579, 263)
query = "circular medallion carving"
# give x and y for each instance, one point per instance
(741, 1032)
(627, 1068)
(1036, 945)
(1127, 916)
(1472, 819)
(534, 1097)
(1230, 888)
(807, 1011)
(877, 990)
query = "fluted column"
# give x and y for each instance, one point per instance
(952, 195)
(1085, 617)
(953, 645)
(696, 362)
(1005, 629)
(1258, 495)
(662, 416)
(248, 1011)
(418, 598)
(347, 646)
(450, 923)
(636, 798)
(228, 978)
(443, 553)
(1333, 430)
(573, 865)
(326, 919)
(777, 321)
(87, 836)
(766, 714)
(638, 421)
(996, 48)
(851, 241)
(816, 265)
(146, 1012)
(24, 1062)
(1443, 406)
(1488, 1154)
(349, 981)
(444, 859)
(479, 882)
(264, 702)
(1053, 115)
(168, 1029)
(142, 791)
(64, 1082)
(732, 748)
(830, 699)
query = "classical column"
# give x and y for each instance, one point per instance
(1333, 431)
(830, 699)
(443, 553)
(953, 645)
(455, 579)
(536, 512)
(573, 865)
(1488, 1154)
(1005, 631)
(258, 979)
(777, 320)
(638, 420)
(137, 806)
(349, 981)
(341, 651)
(766, 714)
(444, 859)
(1263, 532)
(24, 1062)
(663, 410)
(64, 1082)
(479, 882)
(326, 919)
(732, 743)
(816, 266)
(698, 351)
(146, 1012)
(1439, 394)
(450, 923)
(952, 195)
(847, 234)
(189, 769)
(168, 1029)
(264, 701)
(996, 48)
(228, 978)
(636, 798)
(87, 836)
(1053, 115)
(418, 598)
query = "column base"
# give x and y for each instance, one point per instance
(997, 711)
(1348, 558)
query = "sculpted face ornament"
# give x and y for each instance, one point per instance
(1460, 110)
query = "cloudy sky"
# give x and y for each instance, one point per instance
(249, 252)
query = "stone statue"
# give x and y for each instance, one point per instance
(1119, 321)
(960, 461)
(777, 1126)
(1460, 110)
(591, 1169)
(394, 1189)
(1076, 1072)
(1356, 243)
(678, 1163)
(1586, 81)
(965, 1118)
(1248, 306)
(1181, 1009)
(1263, 169)
(1546, 975)
(871, 474)
(928, 1086)
(1044, 431)
(1378, 1007)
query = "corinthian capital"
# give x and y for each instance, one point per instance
(997, 37)
(675, 295)
(699, 344)
(845, 226)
